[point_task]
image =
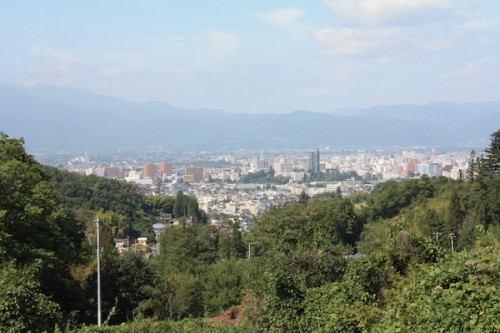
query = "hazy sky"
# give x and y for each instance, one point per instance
(257, 56)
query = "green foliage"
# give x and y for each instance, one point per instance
(303, 198)
(157, 204)
(124, 210)
(304, 247)
(456, 295)
(34, 225)
(261, 177)
(492, 155)
(280, 229)
(97, 193)
(352, 303)
(120, 200)
(187, 247)
(123, 283)
(285, 279)
(187, 206)
(223, 285)
(193, 274)
(455, 215)
(282, 298)
(485, 184)
(485, 192)
(333, 221)
(300, 274)
(231, 243)
(323, 223)
(168, 326)
(371, 274)
(454, 207)
(389, 198)
(339, 307)
(23, 305)
(373, 237)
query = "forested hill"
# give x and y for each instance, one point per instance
(301, 276)
(52, 118)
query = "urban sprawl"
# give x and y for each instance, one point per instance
(220, 182)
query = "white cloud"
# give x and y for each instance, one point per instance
(481, 24)
(401, 12)
(217, 46)
(283, 16)
(389, 31)
(347, 71)
(176, 38)
(159, 40)
(130, 59)
(57, 67)
(152, 52)
(357, 41)
(315, 92)
(392, 44)
(488, 67)
(111, 72)
(58, 59)
(223, 43)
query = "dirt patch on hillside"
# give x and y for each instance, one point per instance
(234, 314)
(231, 316)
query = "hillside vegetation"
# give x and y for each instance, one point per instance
(303, 275)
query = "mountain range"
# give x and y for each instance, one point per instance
(54, 118)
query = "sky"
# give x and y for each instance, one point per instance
(257, 56)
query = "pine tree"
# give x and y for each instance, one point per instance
(471, 170)
(492, 154)
(455, 215)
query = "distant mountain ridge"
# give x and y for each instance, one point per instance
(53, 118)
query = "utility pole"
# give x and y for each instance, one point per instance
(452, 236)
(98, 274)
(250, 249)
(437, 235)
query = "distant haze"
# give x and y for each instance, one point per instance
(52, 118)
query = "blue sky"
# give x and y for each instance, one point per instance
(258, 56)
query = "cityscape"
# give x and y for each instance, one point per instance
(306, 166)
(218, 181)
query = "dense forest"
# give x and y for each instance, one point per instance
(418, 255)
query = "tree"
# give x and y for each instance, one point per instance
(486, 187)
(34, 225)
(223, 285)
(124, 280)
(186, 206)
(471, 170)
(23, 305)
(231, 243)
(426, 189)
(303, 198)
(458, 294)
(454, 215)
(432, 222)
(492, 154)
(157, 204)
(333, 222)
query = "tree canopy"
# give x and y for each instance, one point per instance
(305, 273)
